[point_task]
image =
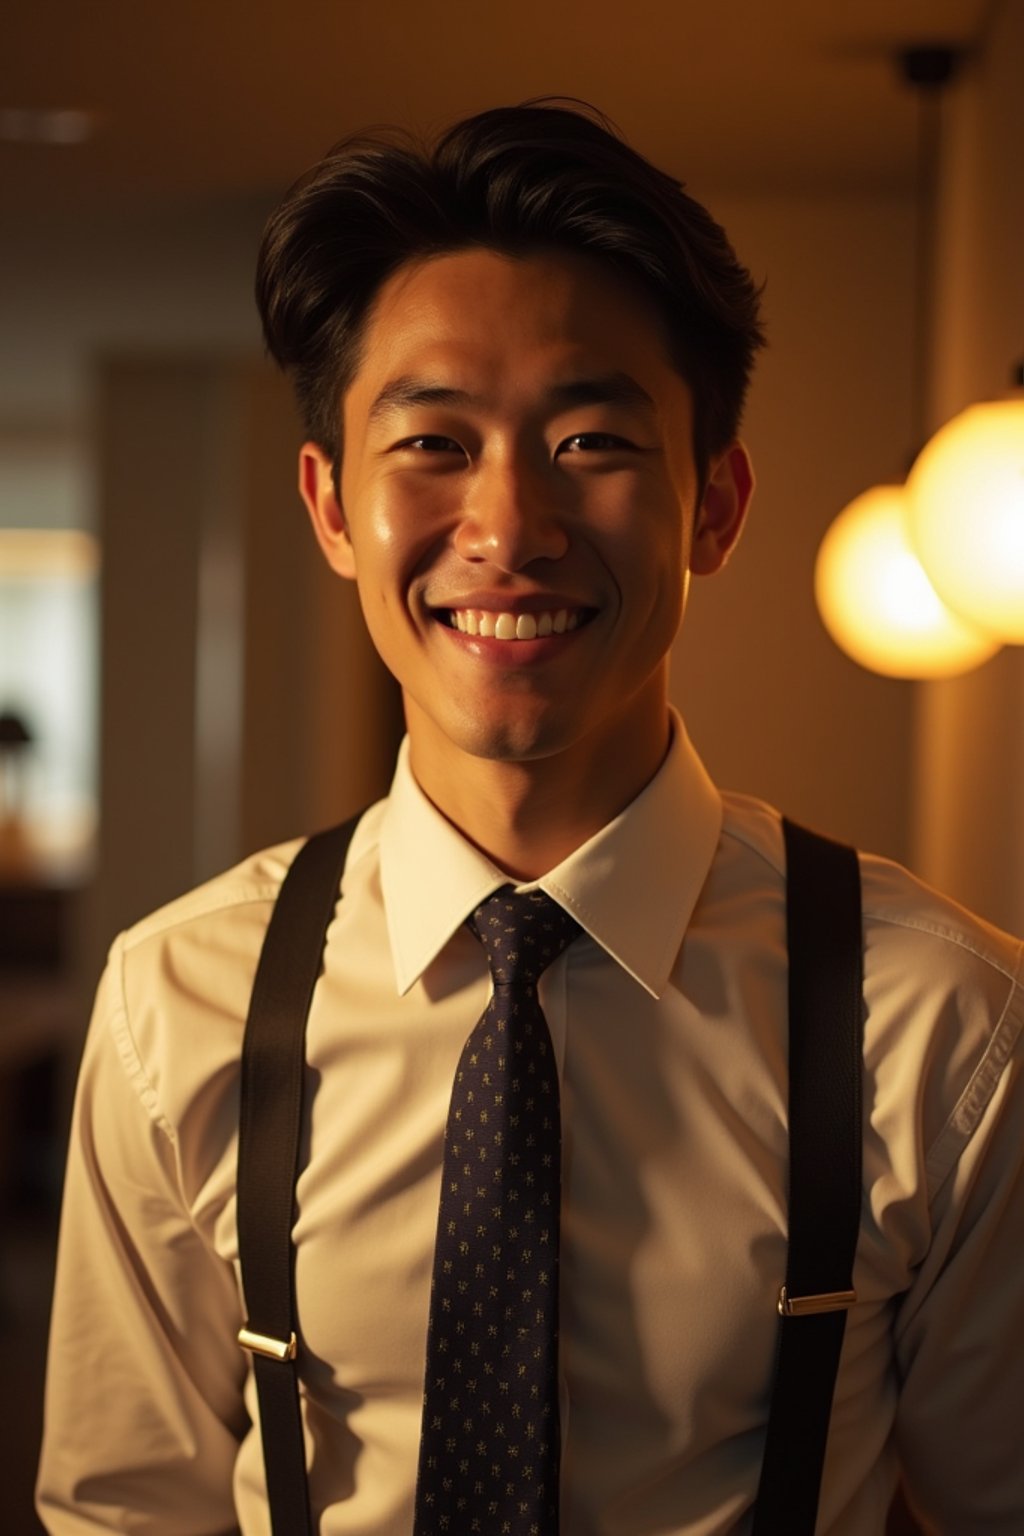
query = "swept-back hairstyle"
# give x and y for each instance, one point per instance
(516, 180)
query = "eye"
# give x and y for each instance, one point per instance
(594, 442)
(430, 443)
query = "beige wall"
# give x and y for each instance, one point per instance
(969, 761)
(773, 706)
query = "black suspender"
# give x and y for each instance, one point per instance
(825, 1029)
(823, 923)
(269, 1129)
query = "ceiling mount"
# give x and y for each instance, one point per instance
(929, 66)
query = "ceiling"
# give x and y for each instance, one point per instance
(200, 101)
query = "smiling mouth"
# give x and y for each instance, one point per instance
(514, 626)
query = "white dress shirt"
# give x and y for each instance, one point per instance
(669, 1022)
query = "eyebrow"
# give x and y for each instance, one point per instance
(607, 389)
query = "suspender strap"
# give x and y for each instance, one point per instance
(823, 913)
(270, 1123)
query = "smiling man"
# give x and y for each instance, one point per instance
(540, 1222)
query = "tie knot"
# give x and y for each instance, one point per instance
(521, 934)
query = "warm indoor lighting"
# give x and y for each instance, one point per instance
(49, 679)
(876, 601)
(966, 515)
(47, 554)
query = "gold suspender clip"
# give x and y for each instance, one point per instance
(806, 1306)
(261, 1344)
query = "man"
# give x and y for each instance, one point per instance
(521, 356)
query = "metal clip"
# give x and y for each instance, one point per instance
(262, 1344)
(807, 1306)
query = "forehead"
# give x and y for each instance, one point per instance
(490, 321)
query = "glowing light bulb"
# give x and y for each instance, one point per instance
(966, 515)
(876, 601)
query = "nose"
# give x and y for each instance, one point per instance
(511, 517)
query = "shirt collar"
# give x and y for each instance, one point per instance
(632, 886)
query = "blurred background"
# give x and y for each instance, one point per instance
(180, 682)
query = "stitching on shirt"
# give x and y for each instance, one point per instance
(939, 930)
(167, 919)
(952, 936)
(776, 865)
(566, 899)
(131, 1058)
(156, 926)
(967, 1113)
(968, 1110)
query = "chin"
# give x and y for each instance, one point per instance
(512, 740)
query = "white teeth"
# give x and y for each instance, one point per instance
(511, 626)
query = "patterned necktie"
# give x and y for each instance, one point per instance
(489, 1449)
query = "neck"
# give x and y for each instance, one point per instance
(529, 816)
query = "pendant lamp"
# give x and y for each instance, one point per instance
(965, 502)
(876, 601)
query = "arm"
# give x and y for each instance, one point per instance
(960, 1333)
(144, 1410)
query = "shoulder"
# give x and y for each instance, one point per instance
(205, 941)
(175, 997)
(943, 989)
(254, 883)
(902, 914)
(226, 917)
(171, 1007)
(944, 1004)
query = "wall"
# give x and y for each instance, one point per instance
(74, 288)
(774, 707)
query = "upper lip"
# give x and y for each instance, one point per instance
(509, 602)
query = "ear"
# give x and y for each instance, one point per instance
(721, 514)
(316, 487)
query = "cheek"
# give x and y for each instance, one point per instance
(647, 549)
(660, 578)
(394, 530)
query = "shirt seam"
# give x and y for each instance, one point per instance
(653, 983)
(154, 927)
(955, 936)
(752, 846)
(939, 930)
(966, 1115)
(130, 1058)
(970, 1107)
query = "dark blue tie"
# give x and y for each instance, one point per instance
(489, 1449)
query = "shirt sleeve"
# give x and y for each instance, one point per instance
(960, 1331)
(144, 1407)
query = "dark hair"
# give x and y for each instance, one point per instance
(514, 179)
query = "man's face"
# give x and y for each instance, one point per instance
(517, 505)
